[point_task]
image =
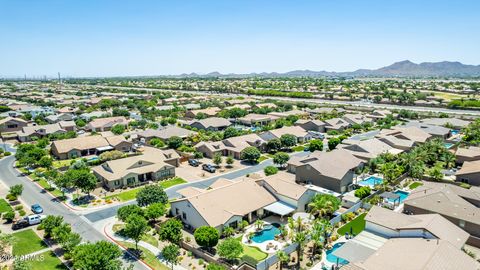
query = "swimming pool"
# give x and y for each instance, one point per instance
(448, 145)
(403, 195)
(332, 258)
(455, 131)
(268, 233)
(371, 181)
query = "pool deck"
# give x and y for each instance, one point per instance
(270, 246)
(324, 261)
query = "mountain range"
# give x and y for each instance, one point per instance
(399, 69)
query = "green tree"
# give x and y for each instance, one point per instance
(45, 162)
(63, 181)
(174, 142)
(315, 145)
(136, 227)
(206, 237)
(155, 210)
(70, 241)
(217, 159)
(270, 170)
(288, 140)
(50, 223)
(170, 253)
(281, 158)
(333, 142)
(230, 161)
(230, 249)
(125, 211)
(151, 194)
(436, 173)
(230, 132)
(250, 154)
(324, 204)
(274, 145)
(171, 230)
(214, 266)
(228, 231)
(283, 258)
(118, 129)
(101, 255)
(16, 190)
(20, 264)
(82, 179)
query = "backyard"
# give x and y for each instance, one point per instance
(357, 225)
(252, 252)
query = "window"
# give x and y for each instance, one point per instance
(177, 212)
(12, 126)
(116, 183)
(130, 180)
(184, 216)
(461, 223)
(164, 173)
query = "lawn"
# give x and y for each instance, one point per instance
(26, 242)
(253, 252)
(358, 224)
(44, 184)
(299, 148)
(46, 261)
(132, 193)
(148, 238)
(414, 185)
(62, 163)
(148, 257)
(262, 158)
(4, 206)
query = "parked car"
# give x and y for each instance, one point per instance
(194, 162)
(209, 168)
(27, 221)
(37, 209)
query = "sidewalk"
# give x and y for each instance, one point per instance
(108, 230)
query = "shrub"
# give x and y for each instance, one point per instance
(465, 185)
(7, 154)
(362, 192)
(270, 170)
(22, 213)
(9, 216)
(19, 207)
(11, 197)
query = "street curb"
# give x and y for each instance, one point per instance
(124, 248)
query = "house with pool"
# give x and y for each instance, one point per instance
(229, 202)
(393, 240)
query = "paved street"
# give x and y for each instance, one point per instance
(172, 192)
(34, 194)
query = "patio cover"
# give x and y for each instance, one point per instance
(390, 195)
(353, 252)
(280, 208)
(105, 148)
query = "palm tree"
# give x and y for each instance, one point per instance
(324, 205)
(316, 236)
(282, 258)
(299, 239)
(259, 224)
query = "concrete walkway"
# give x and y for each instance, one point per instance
(155, 250)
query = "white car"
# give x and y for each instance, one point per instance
(35, 219)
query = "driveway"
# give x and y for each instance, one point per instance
(172, 192)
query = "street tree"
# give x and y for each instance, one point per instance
(170, 253)
(250, 154)
(125, 211)
(101, 255)
(281, 158)
(151, 194)
(136, 227)
(315, 145)
(155, 210)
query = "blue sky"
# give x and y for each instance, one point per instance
(108, 38)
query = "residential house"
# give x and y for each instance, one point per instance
(55, 118)
(152, 165)
(333, 170)
(357, 118)
(106, 124)
(211, 124)
(457, 204)
(379, 114)
(393, 240)
(469, 173)
(264, 105)
(27, 133)
(289, 113)
(10, 124)
(88, 145)
(232, 146)
(414, 134)
(164, 134)
(311, 125)
(446, 122)
(471, 153)
(254, 119)
(368, 149)
(209, 112)
(301, 134)
(435, 131)
(226, 204)
(337, 124)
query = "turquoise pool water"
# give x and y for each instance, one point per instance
(371, 181)
(403, 195)
(455, 131)
(448, 145)
(332, 258)
(268, 233)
